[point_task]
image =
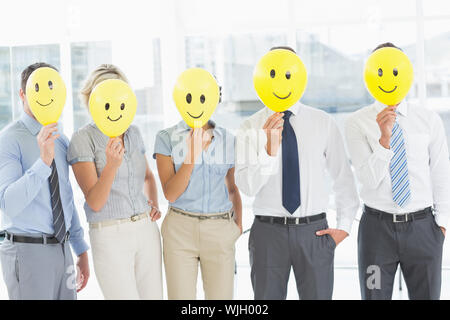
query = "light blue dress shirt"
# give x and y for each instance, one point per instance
(25, 202)
(206, 191)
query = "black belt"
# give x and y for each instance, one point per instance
(292, 221)
(404, 217)
(37, 240)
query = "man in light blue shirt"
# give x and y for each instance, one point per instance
(34, 183)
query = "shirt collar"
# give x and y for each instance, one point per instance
(182, 126)
(295, 109)
(402, 108)
(31, 124)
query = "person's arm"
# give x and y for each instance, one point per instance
(175, 183)
(96, 189)
(257, 154)
(344, 187)
(18, 189)
(371, 163)
(440, 172)
(151, 191)
(80, 248)
(235, 197)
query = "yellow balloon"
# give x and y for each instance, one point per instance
(388, 75)
(280, 79)
(46, 95)
(196, 95)
(113, 105)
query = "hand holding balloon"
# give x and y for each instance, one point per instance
(114, 152)
(46, 142)
(386, 119)
(274, 132)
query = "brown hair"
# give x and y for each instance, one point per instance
(101, 73)
(386, 45)
(29, 70)
(284, 48)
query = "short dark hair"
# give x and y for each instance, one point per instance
(29, 70)
(284, 48)
(386, 45)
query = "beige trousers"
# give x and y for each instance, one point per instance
(189, 241)
(127, 260)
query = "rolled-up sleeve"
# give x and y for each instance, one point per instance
(81, 148)
(162, 144)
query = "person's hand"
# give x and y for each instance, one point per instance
(239, 224)
(274, 129)
(336, 234)
(443, 230)
(46, 142)
(195, 144)
(114, 152)
(386, 119)
(83, 271)
(155, 214)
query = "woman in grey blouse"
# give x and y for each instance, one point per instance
(121, 204)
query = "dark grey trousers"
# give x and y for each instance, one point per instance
(414, 245)
(275, 249)
(37, 271)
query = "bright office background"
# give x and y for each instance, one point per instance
(153, 41)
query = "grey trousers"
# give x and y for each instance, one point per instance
(414, 245)
(275, 249)
(38, 271)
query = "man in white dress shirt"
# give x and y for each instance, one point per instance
(290, 229)
(398, 225)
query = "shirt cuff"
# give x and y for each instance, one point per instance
(41, 169)
(79, 246)
(267, 163)
(441, 219)
(383, 153)
(81, 159)
(345, 224)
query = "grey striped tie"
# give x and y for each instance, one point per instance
(57, 209)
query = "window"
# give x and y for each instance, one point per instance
(5, 87)
(86, 56)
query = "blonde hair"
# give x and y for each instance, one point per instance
(101, 73)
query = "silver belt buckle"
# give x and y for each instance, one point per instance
(285, 220)
(394, 218)
(297, 220)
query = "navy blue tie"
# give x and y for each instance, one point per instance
(291, 171)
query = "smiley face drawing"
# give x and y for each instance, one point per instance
(280, 79)
(388, 75)
(46, 95)
(196, 95)
(113, 105)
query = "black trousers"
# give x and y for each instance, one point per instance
(415, 245)
(275, 249)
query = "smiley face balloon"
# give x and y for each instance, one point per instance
(388, 75)
(112, 105)
(196, 95)
(280, 79)
(46, 95)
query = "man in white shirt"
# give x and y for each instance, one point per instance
(401, 159)
(290, 229)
